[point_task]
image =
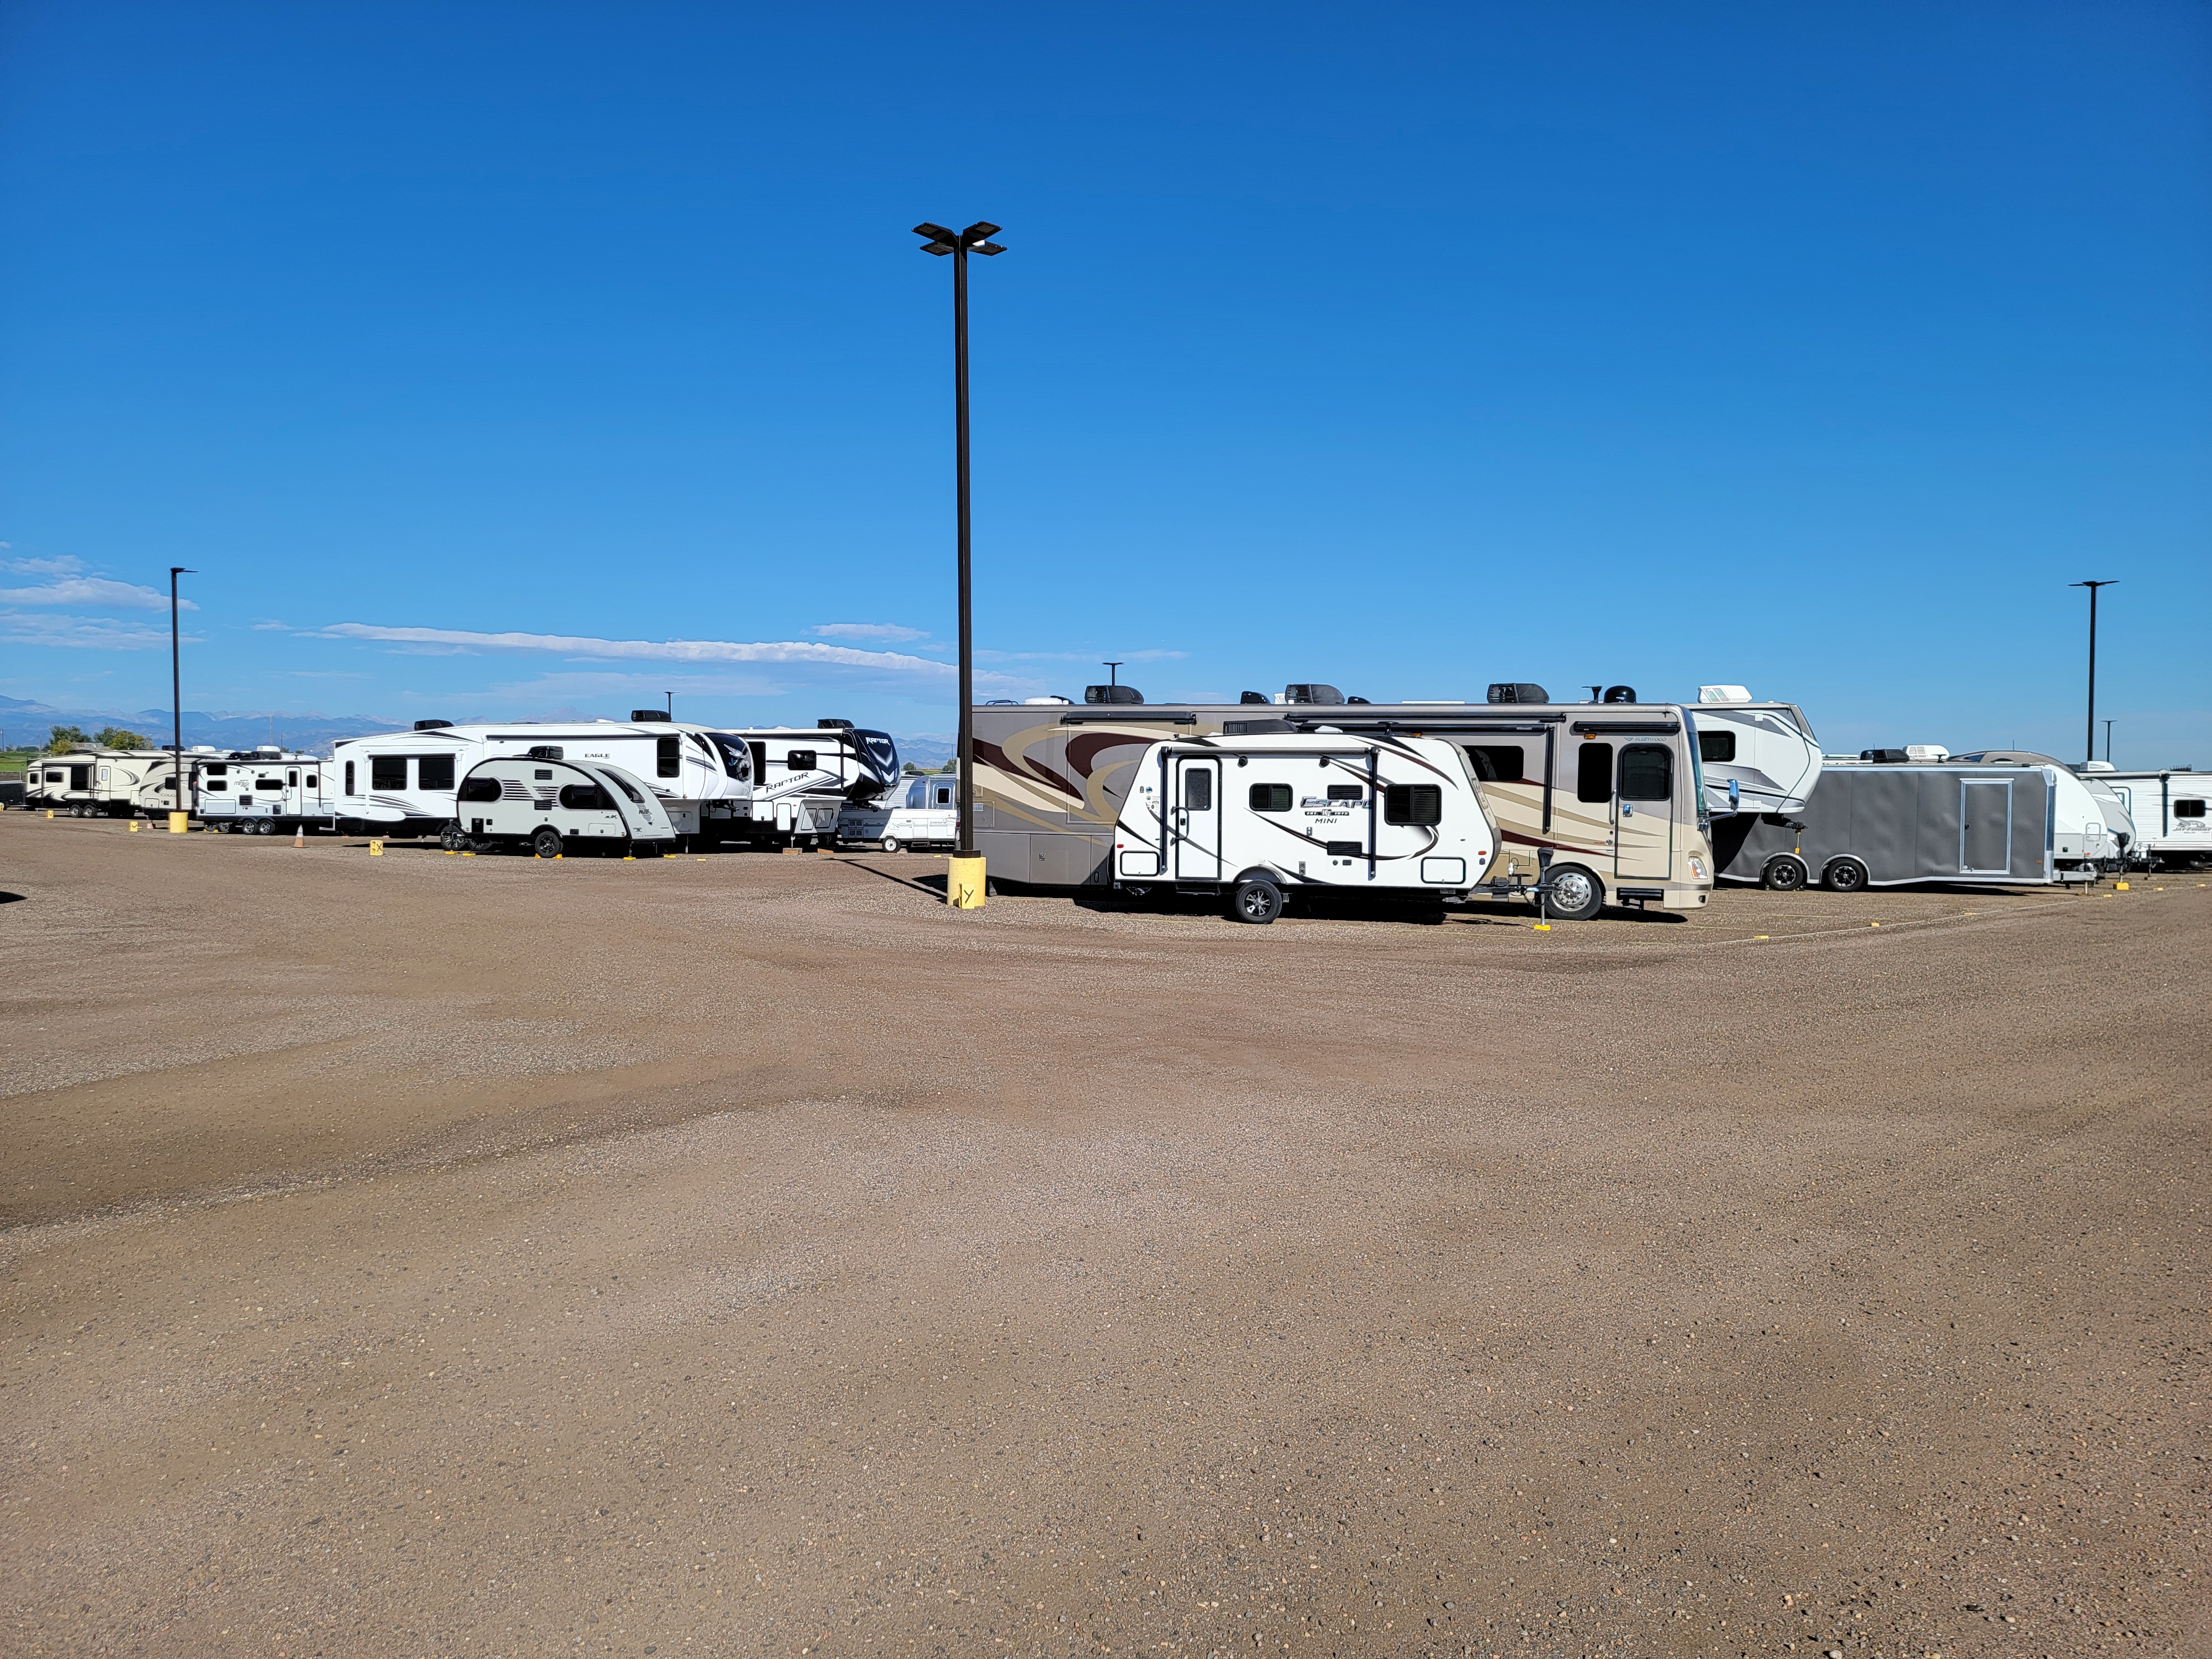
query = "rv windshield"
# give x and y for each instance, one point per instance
(737, 759)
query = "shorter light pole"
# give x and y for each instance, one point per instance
(2091, 744)
(180, 809)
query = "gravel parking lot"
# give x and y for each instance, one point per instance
(746, 1254)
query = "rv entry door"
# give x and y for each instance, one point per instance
(1643, 813)
(1198, 820)
(1986, 826)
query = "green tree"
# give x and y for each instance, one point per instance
(63, 738)
(116, 736)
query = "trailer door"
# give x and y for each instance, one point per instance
(1986, 826)
(1643, 813)
(1198, 820)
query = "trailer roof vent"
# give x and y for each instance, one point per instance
(1926, 751)
(1621, 694)
(1723, 694)
(1518, 691)
(432, 726)
(1112, 694)
(1885, 757)
(833, 726)
(639, 716)
(547, 751)
(1252, 696)
(1314, 692)
(1062, 702)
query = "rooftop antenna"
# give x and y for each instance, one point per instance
(1113, 676)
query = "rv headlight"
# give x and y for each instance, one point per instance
(1697, 866)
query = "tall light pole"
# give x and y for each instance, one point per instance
(177, 804)
(2090, 751)
(977, 239)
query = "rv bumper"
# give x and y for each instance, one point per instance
(1684, 898)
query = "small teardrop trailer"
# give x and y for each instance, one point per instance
(543, 804)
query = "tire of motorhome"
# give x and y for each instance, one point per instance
(889, 843)
(1844, 875)
(546, 843)
(1786, 872)
(1577, 895)
(1256, 900)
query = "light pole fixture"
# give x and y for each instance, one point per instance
(2089, 752)
(180, 807)
(964, 884)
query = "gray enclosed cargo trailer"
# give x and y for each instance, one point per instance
(1883, 826)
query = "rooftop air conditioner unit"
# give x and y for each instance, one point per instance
(1314, 692)
(1112, 694)
(432, 726)
(1723, 694)
(1926, 751)
(1885, 757)
(1518, 691)
(639, 716)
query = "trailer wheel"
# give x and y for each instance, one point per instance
(1577, 895)
(1257, 900)
(1844, 875)
(452, 837)
(546, 843)
(889, 843)
(1784, 874)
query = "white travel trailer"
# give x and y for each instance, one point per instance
(1260, 816)
(923, 812)
(2084, 840)
(546, 804)
(1755, 756)
(2167, 810)
(803, 777)
(261, 792)
(401, 783)
(66, 783)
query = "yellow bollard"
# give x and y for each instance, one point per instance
(179, 822)
(134, 826)
(50, 815)
(376, 849)
(1540, 927)
(965, 886)
(2119, 887)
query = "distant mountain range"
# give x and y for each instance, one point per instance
(26, 723)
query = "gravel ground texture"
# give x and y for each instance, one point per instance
(745, 1254)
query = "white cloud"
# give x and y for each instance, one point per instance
(94, 632)
(1078, 656)
(92, 590)
(453, 639)
(62, 566)
(272, 627)
(890, 632)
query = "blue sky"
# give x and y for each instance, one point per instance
(473, 354)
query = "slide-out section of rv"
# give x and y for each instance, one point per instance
(805, 776)
(1259, 817)
(1888, 824)
(918, 811)
(1610, 789)
(1756, 756)
(263, 791)
(2168, 809)
(539, 805)
(402, 783)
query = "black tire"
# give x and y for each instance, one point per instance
(452, 838)
(1576, 894)
(1844, 875)
(1256, 900)
(1783, 874)
(546, 843)
(889, 843)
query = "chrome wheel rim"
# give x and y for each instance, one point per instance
(1571, 891)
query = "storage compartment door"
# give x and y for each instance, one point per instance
(1986, 826)
(1197, 820)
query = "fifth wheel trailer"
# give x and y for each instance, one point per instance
(1885, 825)
(2168, 810)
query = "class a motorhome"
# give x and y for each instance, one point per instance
(1888, 821)
(1756, 756)
(402, 783)
(1259, 817)
(805, 777)
(915, 812)
(2166, 808)
(1610, 789)
(262, 791)
(547, 806)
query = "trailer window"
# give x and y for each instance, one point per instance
(1198, 789)
(586, 798)
(1647, 772)
(292, 778)
(1412, 803)
(760, 759)
(945, 794)
(667, 757)
(623, 784)
(1717, 746)
(479, 789)
(2188, 806)
(350, 788)
(737, 759)
(313, 782)
(1270, 797)
(387, 771)
(799, 760)
(268, 783)
(1346, 791)
(434, 772)
(1496, 762)
(1594, 772)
